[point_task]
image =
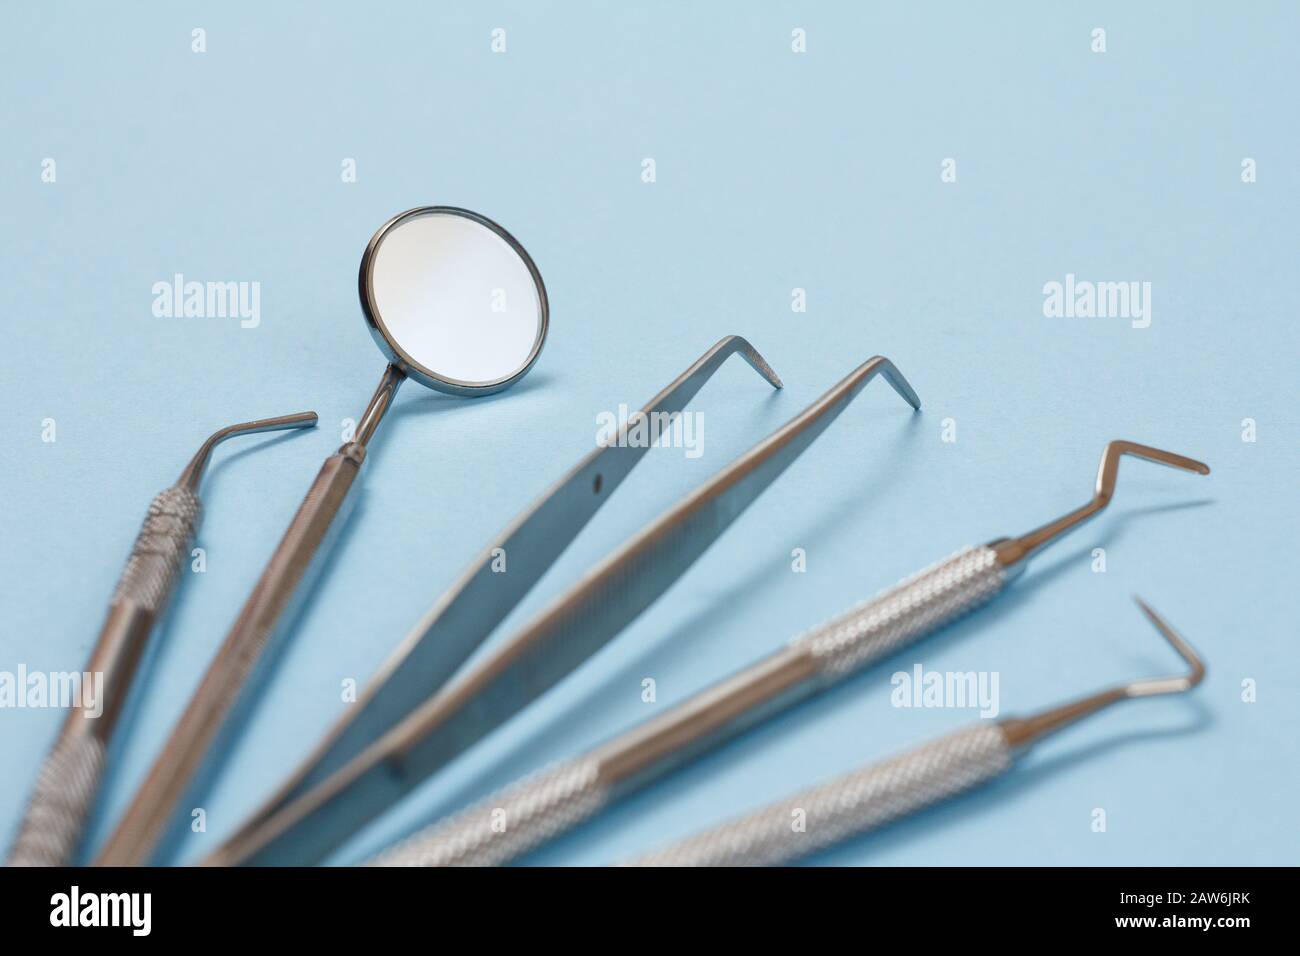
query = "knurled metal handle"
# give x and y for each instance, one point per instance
(904, 613)
(847, 806)
(160, 549)
(69, 778)
(542, 807)
(60, 803)
(507, 824)
(284, 581)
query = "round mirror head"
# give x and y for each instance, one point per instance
(453, 300)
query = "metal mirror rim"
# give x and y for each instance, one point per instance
(388, 344)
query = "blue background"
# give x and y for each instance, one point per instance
(775, 171)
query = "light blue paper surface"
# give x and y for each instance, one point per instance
(775, 170)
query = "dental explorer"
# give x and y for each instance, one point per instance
(555, 799)
(874, 796)
(69, 778)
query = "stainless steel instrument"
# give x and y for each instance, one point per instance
(557, 798)
(69, 779)
(305, 824)
(874, 796)
(454, 302)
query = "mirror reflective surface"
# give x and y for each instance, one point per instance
(455, 299)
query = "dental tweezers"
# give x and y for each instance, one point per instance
(557, 798)
(874, 796)
(451, 630)
(303, 825)
(69, 779)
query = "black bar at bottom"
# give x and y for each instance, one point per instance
(437, 908)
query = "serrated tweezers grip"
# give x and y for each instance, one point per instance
(507, 824)
(904, 613)
(847, 806)
(160, 549)
(60, 802)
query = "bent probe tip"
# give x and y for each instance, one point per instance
(1022, 731)
(1169, 685)
(1012, 551)
(193, 473)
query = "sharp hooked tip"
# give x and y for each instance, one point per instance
(1179, 644)
(1147, 609)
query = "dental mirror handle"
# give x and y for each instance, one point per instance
(69, 778)
(284, 581)
(274, 598)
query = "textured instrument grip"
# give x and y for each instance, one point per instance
(160, 548)
(846, 806)
(283, 583)
(69, 778)
(60, 803)
(507, 824)
(907, 611)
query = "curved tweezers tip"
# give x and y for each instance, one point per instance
(897, 380)
(741, 345)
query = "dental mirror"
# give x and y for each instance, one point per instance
(453, 300)
(455, 303)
